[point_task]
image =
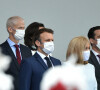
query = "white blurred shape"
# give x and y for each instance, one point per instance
(69, 74)
(6, 81)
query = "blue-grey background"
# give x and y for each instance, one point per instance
(68, 18)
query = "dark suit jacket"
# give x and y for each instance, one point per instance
(14, 66)
(32, 70)
(94, 61)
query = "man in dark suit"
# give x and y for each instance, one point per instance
(15, 27)
(32, 68)
(94, 37)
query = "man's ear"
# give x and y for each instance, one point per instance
(37, 43)
(91, 40)
(9, 29)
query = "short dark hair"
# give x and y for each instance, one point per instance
(91, 33)
(39, 32)
(30, 32)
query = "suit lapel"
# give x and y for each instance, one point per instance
(22, 51)
(40, 60)
(93, 57)
(53, 61)
(10, 52)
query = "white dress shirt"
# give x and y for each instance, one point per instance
(43, 56)
(11, 44)
(33, 52)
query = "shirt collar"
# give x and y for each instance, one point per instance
(42, 55)
(11, 43)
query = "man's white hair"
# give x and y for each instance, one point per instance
(12, 21)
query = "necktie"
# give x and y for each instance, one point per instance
(99, 58)
(18, 54)
(48, 62)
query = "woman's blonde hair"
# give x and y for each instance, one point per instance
(76, 46)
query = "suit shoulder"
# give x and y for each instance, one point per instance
(3, 44)
(29, 59)
(25, 47)
(55, 59)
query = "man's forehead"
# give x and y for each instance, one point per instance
(97, 31)
(19, 23)
(46, 34)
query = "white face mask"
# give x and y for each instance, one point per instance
(19, 34)
(48, 47)
(86, 55)
(98, 43)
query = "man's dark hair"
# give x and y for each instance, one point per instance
(39, 32)
(30, 33)
(91, 33)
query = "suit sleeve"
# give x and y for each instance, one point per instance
(25, 75)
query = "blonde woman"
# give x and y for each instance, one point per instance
(81, 47)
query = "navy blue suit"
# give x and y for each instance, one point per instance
(32, 70)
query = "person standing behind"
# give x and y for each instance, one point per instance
(30, 33)
(12, 47)
(32, 68)
(94, 38)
